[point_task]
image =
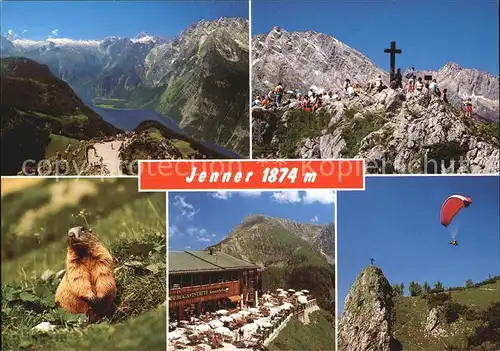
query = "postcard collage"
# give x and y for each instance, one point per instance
(101, 250)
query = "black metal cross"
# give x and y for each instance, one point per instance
(393, 51)
(371, 259)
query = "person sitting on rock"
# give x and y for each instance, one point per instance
(335, 96)
(256, 101)
(347, 83)
(411, 85)
(444, 97)
(468, 107)
(394, 85)
(433, 87)
(317, 103)
(399, 78)
(327, 98)
(357, 89)
(351, 92)
(263, 100)
(419, 86)
(426, 89)
(378, 83)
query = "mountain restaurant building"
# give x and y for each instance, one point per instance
(206, 281)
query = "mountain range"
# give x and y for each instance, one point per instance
(304, 59)
(297, 255)
(199, 80)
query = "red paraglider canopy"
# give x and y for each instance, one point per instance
(451, 206)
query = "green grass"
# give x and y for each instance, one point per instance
(355, 130)
(110, 103)
(411, 316)
(300, 124)
(131, 225)
(318, 335)
(58, 143)
(183, 146)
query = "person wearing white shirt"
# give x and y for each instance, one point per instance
(350, 91)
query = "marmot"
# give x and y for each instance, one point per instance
(88, 285)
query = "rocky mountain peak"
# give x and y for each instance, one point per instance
(302, 59)
(366, 322)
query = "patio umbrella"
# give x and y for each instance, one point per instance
(249, 326)
(243, 313)
(285, 307)
(268, 304)
(263, 323)
(202, 327)
(235, 316)
(225, 319)
(298, 293)
(253, 310)
(305, 291)
(288, 304)
(291, 290)
(302, 299)
(215, 324)
(279, 289)
(223, 330)
(282, 295)
(266, 296)
(222, 312)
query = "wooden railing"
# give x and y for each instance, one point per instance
(278, 322)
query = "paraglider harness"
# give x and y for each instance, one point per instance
(454, 243)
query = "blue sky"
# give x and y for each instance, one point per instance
(199, 219)
(93, 20)
(396, 221)
(430, 32)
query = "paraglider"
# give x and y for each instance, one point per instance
(450, 208)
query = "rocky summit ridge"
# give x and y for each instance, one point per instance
(395, 131)
(304, 59)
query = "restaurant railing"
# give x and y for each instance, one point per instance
(278, 321)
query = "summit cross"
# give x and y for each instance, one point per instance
(393, 51)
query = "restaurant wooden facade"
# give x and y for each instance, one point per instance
(206, 281)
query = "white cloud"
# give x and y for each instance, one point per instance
(196, 231)
(286, 197)
(185, 208)
(173, 230)
(24, 31)
(315, 219)
(222, 195)
(203, 239)
(187, 247)
(324, 197)
(10, 32)
(251, 193)
(213, 235)
(55, 32)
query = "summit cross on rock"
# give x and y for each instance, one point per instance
(393, 51)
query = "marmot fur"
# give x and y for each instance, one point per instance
(88, 285)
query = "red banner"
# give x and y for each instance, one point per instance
(251, 175)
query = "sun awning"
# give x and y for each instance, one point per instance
(235, 298)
